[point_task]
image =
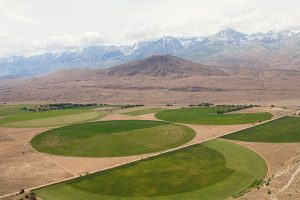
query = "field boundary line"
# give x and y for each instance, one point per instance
(146, 156)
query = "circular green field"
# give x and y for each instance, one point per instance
(216, 169)
(112, 138)
(209, 116)
(283, 130)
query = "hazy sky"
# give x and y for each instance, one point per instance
(35, 26)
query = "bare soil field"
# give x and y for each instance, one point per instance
(22, 167)
(284, 171)
(117, 116)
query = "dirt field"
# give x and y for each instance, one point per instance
(22, 167)
(284, 171)
(29, 169)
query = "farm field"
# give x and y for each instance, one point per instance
(218, 166)
(143, 111)
(283, 130)
(50, 118)
(112, 138)
(209, 116)
(6, 110)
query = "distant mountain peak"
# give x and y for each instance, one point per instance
(279, 34)
(168, 38)
(229, 34)
(228, 31)
(272, 36)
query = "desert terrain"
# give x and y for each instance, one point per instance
(172, 80)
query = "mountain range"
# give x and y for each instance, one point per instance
(227, 48)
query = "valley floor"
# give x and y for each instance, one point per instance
(26, 168)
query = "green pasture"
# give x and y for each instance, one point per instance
(209, 116)
(283, 130)
(6, 110)
(50, 118)
(142, 111)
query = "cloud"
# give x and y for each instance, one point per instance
(69, 41)
(16, 45)
(22, 19)
(35, 26)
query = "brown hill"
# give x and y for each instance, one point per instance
(165, 65)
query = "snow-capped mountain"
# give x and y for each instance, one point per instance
(271, 36)
(226, 45)
(187, 42)
(228, 35)
(165, 45)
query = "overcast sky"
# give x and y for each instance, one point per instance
(36, 26)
